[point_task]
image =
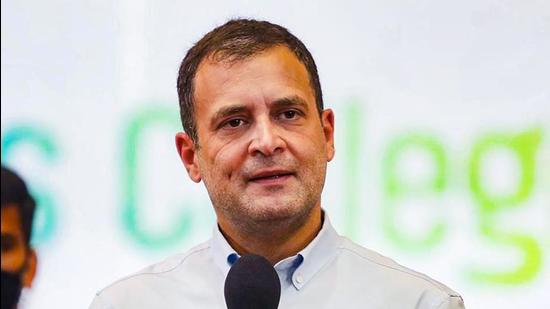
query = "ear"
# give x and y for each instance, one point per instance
(188, 155)
(327, 120)
(30, 269)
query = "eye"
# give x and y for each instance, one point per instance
(8, 243)
(233, 123)
(289, 115)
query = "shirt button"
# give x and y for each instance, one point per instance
(299, 279)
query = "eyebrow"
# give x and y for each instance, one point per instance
(290, 101)
(227, 111)
(242, 108)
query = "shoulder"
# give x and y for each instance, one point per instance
(168, 265)
(395, 276)
(157, 274)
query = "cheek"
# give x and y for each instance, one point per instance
(226, 160)
(13, 260)
(309, 148)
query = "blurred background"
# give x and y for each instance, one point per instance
(442, 131)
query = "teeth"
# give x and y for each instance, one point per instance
(270, 177)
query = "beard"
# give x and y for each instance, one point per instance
(284, 208)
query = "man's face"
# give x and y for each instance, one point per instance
(263, 146)
(16, 256)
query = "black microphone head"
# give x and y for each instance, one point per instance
(252, 283)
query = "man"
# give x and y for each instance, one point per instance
(18, 258)
(256, 133)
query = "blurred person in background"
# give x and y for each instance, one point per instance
(18, 258)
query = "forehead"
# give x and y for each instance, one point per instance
(11, 219)
(271, 73)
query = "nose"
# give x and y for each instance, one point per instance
(266, 139)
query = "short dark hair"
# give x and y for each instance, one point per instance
(14, 192)
(237, 40)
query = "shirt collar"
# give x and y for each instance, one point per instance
(321, 250)
(223, 254)
(303, 266)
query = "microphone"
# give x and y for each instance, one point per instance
(252, 283)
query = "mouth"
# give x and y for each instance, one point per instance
(270, 177)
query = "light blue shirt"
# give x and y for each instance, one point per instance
(331, 272)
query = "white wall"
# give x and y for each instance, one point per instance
(457, 92)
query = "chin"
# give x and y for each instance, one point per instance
(268, 214)
(278, 212)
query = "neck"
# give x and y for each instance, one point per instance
(282, 240)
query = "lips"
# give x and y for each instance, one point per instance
(270, 175)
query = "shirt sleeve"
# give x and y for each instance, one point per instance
(452, 302)
(438, 299)
(100, 303)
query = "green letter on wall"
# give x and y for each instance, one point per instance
(397, 191)
(132, 185)
(524, 146)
